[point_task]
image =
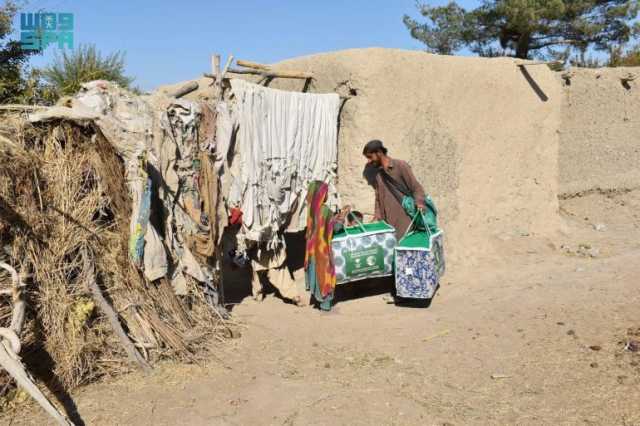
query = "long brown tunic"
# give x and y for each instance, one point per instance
(387, 206)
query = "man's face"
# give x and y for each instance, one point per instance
(373, 159)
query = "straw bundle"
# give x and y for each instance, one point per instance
(64, 214)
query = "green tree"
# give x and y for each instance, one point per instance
(13, 58)
(526, 28)
(443, 33)
(72, 68)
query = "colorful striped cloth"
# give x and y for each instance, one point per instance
(320, 273)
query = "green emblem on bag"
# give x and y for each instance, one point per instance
(364, 261)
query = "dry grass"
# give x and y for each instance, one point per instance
(62, 190)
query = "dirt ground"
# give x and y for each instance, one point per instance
(534, 335)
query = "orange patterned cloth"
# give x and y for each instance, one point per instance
(320, 273)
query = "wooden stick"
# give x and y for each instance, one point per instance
(239, 71)
(273, 73)
(441, 334)
(215, 64)
(216, 71)
(254, 65)
(289, 74)
(222, 77)
(185, 89)
(10, 347)
(264, 74)
(268, 71)
(226, 67)
(500, 376)
(19, 307)
(11, 362)
(111, 315)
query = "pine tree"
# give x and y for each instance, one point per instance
(526, 28)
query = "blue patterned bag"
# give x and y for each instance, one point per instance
(419, 260)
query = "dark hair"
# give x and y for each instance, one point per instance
(374, 146)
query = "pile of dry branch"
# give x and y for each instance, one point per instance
(64, 225)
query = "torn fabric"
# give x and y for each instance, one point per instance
(285, 140)
(158, 139)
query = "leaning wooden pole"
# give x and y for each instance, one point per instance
(218, 96)
(185, 89)
(254, 65)
(112, 317)
(252, 68)
(10, 348)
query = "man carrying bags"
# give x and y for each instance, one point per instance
(398, 192)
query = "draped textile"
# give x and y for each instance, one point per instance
(320, 273)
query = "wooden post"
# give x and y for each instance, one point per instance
(254, 65)
(217, 97)
(271, 73)
(267, 71)
(215, 70)
(226, 67)
(112, 316)
(10, 348)
(185, 89)
(223, 76)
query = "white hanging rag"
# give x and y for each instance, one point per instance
(285, 140)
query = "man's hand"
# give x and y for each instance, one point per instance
(422, 208)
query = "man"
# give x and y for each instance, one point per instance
(392, 179)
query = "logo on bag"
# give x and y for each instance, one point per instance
(39, 30)
(364, 261)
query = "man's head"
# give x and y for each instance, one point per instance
(374, 151)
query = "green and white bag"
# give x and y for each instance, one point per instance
(363, 251)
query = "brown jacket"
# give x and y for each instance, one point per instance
(387, 206)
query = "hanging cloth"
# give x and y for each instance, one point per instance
(285, 140)
(320, 275)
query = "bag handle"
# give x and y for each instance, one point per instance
(360, 225)
(424, 222)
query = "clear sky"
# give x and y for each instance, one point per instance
(172, 40)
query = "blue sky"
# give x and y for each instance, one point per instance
(171, 40)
